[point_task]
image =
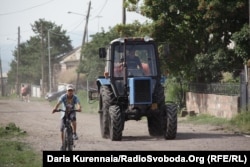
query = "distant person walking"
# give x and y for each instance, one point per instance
(25, 93)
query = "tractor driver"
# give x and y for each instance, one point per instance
(133, 62)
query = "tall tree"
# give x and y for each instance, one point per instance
(242, 43)
(32, 52)
(198, 33)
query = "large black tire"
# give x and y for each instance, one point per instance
(116, 123)
(155, 118)
(170, 128)
(105, 102)
(154, 123)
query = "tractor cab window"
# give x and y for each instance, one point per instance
(140, 60)
(118, 62)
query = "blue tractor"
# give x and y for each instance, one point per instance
(132, 93)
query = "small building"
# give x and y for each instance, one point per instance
(71, 59)
(65, 70)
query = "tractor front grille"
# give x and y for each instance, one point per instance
(140, 91)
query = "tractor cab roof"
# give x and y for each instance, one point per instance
(132, 39)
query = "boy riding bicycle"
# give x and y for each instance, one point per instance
(68, 101)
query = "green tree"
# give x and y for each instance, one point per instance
(197, 32)
(242, 43)
(59, 44)
(28, 68)
(224, 18)
(34, 57)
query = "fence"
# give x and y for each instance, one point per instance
(218, 99)
(230, 89)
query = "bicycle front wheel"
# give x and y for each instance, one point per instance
(65, 139)
(70, 140)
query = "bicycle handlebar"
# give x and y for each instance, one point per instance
(59, 110)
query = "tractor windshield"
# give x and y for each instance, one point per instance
(139, 59)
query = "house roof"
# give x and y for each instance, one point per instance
(74, 55)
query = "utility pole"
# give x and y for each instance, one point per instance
(1, 75)
(246, 66)
(83, 42)
(17, 63)
(42, 60)
(49, 61)
(123, 12)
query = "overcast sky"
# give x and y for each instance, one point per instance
(23, 13)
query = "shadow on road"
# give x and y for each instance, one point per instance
(139, 138)
(190, 135)
(182, 136)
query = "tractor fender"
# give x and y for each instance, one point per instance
(103, 81)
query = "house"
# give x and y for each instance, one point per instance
(71, 59)
(65, 70)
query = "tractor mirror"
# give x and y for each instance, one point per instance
(93, 94)
(102, 53)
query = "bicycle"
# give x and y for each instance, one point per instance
(68, 142)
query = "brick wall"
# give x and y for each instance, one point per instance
(216, 105)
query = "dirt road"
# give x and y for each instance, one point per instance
(42, 128)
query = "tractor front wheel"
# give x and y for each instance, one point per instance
(170, 125)
(116, 123)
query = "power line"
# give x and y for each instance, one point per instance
(95, 17)
(58, 34)
(102, 8)
(23, 10)
(98, 15)
(77, 26)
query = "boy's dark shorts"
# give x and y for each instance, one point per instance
(72, 118)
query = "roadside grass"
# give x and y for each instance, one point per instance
(15, 153)
(206, 119)
(87, 105)
(242, 122)
(12, 96)
(239, 123)
(16, 97)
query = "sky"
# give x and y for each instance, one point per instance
(22, 13)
